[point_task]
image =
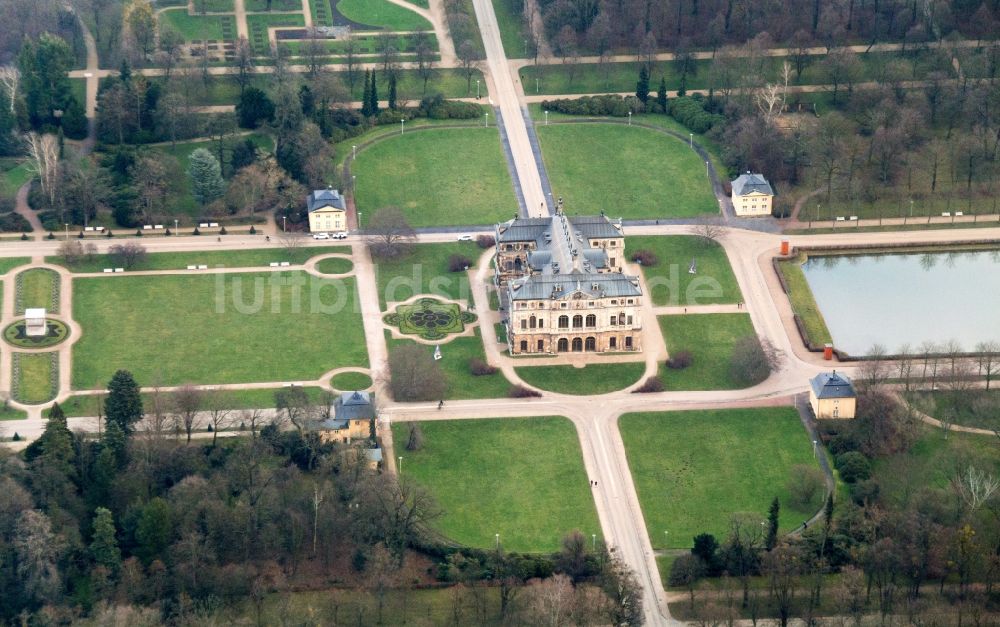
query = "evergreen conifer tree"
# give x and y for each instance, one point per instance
(392, 91)
(661, 95)
(772, 524)
(366, 98)
(123, 406)
(206, 176)
(104, 547)
(373, 95)
(642, 85)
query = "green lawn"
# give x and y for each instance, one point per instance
(513, 33)
(334, 265)
(187, 328)
(347, 381)
(214, 6)
(669, 281)
(693, 469)
(248, 258)
(462, 384)
(9, 263)
(437, 177)
(12, 178)
(37, 373)
(710, 339)
(968, 408)
(593, 379)
(425, 271)
(625, 171)
(37, 287)
(531, 498)
(803, 303)
(9, 413)
(87, 404)
(382, 14)
(932, 462)
(277, 5)
(197, 27)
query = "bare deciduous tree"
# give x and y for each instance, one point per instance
(415, 374)
(975, 487)
(988, 360)
(243, 59)
(43, 150)
(389, 235)
(874, 370)
(188, 401)
(710, 229)
(219, 415)
(10, 78)
(128, 255)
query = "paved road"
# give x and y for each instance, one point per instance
(507, 98)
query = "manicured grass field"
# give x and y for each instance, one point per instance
(334, 265)
(13, 177)
(197, 27)
(35, 377)
(382, 14)
(710, 339)
(593, 379)
(248, 258)
(214, 6)
(437, 177)
(462, 384)
(625, 171)
(531, 498)
(178, 328)
(693, 469)
(803, 303)
(263, 398)
(37, 287)
(425, 271)
(9, 413)
(347, 381)
(669, 281)
(513, 33)
(255, 6)
(8, 263)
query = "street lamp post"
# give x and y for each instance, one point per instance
(175, 226)
(354, 152)
(593, 542)
(691, 140)
(536, 85)
(666, 539)
(486, 118)
(815, 449)
(400, 464)
(477, 89)
(498, 540)
(66, 224)
(546, 117)
(402, 126)
(284, 224)
(630, 118)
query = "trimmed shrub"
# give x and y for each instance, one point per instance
(14, 222)
(645, 257)
(519, 391)
(7, 204)
(480, 368)
(222, 231)
(652, 384)
(691, 113)
(680, 360)
(485, 241)
(458, 263)
(253, 231)
(853, 467)
(616, 106)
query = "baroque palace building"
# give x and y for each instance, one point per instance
(562, 283)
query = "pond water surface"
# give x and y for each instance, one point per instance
(907, 298)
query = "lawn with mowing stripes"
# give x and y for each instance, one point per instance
(531, 498)
(437, 177)
(625, 171)
(37, 374)
(593, 379)
(37, 288)
(669, 281)
(233, 328)
(710, 338)
(197, 27)
(693, 469)
(382, 14)
(248, 258)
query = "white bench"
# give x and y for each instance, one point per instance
(946, 214)
(841, 218)
(285, 264)
(273, 264)
(98, 228)
(203, 225)
(147, 227)
(854, 218)
(158, 226)
(88, 228)
(213, 224)
(109, 270)
(203, 267)
(192, 267)
(960, 213)
(119, 269)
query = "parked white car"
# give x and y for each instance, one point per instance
(341, 235)
(321, 236)
(465, 238)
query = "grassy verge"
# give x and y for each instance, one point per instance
(593, 379)
(437, 178)
(225, 329)
(532, 499)
(37, 376)
(710, 338)
(516, 39)
(693, 469)
(610, 167)
(9, 263)
(803, 303)
(334, 265)
(669, 282)
(249, 258)
(347, 381)
(84, 405)
(382, 14)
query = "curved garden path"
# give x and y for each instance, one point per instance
(23, 209)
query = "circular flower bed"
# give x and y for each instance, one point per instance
(15, 335)
(430, 318)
